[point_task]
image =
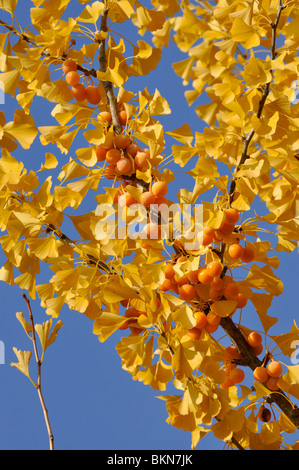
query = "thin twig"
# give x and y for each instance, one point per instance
(38, 386)
(106, 84)
(266, 91)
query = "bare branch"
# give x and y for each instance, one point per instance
(39, 388)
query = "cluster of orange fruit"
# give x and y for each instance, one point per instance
(185, 286)
(79, 91)
(131, 320)
(269, 375)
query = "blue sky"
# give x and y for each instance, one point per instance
(92, 402)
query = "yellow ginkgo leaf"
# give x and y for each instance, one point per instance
(26, 325)
(9, 81)
(247, 35)
(22, 129)
(23, 364)
(91, 13)
(44, 248)
(51, 162)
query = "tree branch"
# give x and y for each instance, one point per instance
(38, 386)
(266, 91)
(106, 84)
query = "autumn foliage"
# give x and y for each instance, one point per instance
(175, 300)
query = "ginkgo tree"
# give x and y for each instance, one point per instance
(174, 277)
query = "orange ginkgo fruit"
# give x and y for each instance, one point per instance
(260, 374)
(147, 198)
(254, 339)
(247, 255)
(93, 95)
(72, 78)
(187, 292)
(274, 369)
(231, 215)
(235, 250)
(124, 166)
(105, 117)
(214, 268)
(159, 189)
(121, 141)
(79, 92)
(69, 65)
(141, 160)
(123, 118)
(113, 155)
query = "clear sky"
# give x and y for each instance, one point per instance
(93, 404)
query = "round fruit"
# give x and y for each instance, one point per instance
(204, 238)
(180, 280)
(121, 141)
(213, 318)
(231, 291)
(258, 349)
(105, 117)
(132, 149)
(237, 375)
(214, 269)
(72, 78)
(141, 160)
(123, 118)
(274, 369)
(147, 198)
(160, 189)
(201, 319)
(231, 353)
(272, 383)
(194, 333)
(211, 328)
(235, 250)
(215, 294)
(264, 414)
(193, 276)
(166, 285)
(169, 272)
(93, 95)
(231, 216)
(248, 255)
(69, 65)
(204, 277)
(126, 200)
(187, 292)
(209, 231)
(254, 339)
(101, 153)
(217, 283)
(242, 301)
(260, 374)
(226, 228)
(79, 92)
(124, 166)
(113, 155)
